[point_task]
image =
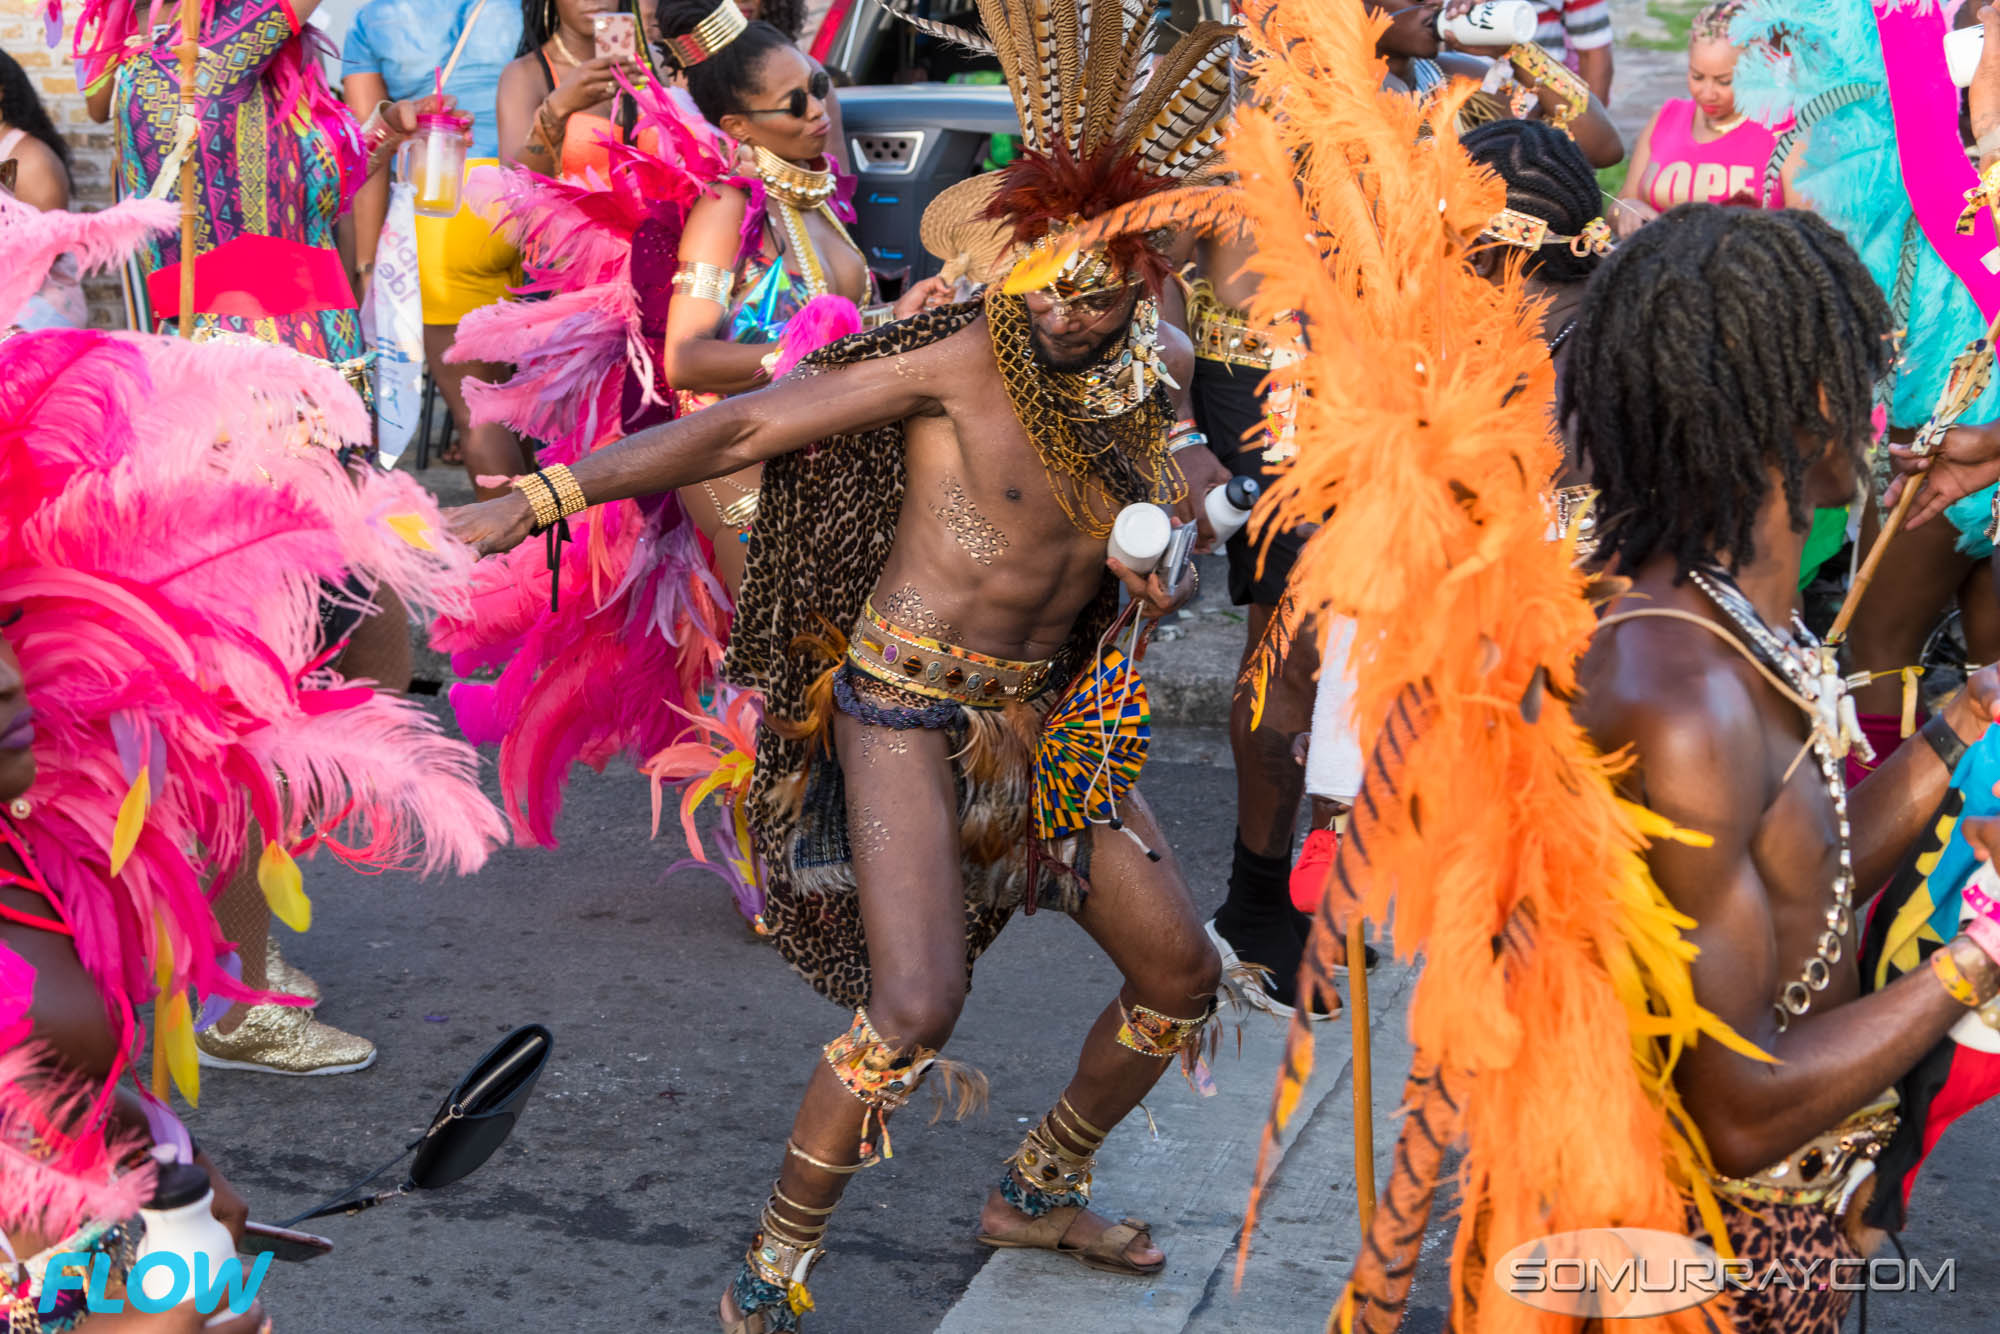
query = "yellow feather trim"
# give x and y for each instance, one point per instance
(284, 887)
(131, 819)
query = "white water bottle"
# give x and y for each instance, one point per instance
(1492, 23)
(1963, 50)
(1229, 506)
(1139, 537)
(181, 1220)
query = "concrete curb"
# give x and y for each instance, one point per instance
(1192, 1181)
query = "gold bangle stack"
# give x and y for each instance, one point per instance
(553, 495)
(1546, 70)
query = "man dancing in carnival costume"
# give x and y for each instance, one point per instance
(165, 537)
(951, 730)
(1609, 1038)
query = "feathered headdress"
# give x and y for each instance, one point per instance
(170, 516)
(1104, 126)
(1556, 992)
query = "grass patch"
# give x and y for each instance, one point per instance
(1676, 17)
(1612, 179)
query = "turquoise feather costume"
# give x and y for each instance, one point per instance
(1833, 77)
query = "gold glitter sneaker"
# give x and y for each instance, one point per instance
(282, 977)
(284, 1040)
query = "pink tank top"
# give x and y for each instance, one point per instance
(1683, 170)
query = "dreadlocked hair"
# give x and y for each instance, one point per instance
(1547, 178)
(1710, 345)
(1040, 191)
(728, 81)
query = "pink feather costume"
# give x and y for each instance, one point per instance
(166, 531)
(625, 662)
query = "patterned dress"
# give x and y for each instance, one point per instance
(258, 173)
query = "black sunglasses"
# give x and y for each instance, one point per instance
(817, 88)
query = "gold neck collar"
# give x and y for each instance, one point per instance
(801, 187)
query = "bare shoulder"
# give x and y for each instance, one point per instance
(719, 211)
(521, 75)
(1683, 703)
(43, 180)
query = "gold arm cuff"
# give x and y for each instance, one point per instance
(724, 24)
(705, 282)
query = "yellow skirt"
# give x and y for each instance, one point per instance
(462, 263)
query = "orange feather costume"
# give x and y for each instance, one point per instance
(1556, 995)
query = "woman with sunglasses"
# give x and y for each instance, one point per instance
(683, 276)
(754, 252)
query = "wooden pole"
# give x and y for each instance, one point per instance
(1364, 1080)
(1866, 574)
(190, 56)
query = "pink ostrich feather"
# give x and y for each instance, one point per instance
(824, 319)
(168, 513)
(33, 240)
(71, 1176)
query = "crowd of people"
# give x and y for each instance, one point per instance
(847, 559)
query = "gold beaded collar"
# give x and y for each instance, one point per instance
(801, 187)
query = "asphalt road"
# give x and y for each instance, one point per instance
(630, 1187)
(627, 1193)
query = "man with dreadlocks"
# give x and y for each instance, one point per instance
(952, 730)
(1719, 388)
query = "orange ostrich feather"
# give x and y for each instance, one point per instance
(1555, 995)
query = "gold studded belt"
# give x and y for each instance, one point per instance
(1824, 1171)
(936, 670)
(1224, 333)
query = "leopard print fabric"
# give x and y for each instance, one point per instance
(826, 519)
(1793, 1236)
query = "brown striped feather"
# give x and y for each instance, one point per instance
(1172, 70)
(1200, 104)
(948, 32)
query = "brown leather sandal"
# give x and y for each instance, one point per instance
(1106, 1254)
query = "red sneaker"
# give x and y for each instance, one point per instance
(1309, 873)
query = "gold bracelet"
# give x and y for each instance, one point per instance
(563, 486)
(541, 499)
(1945, 966)
(704, 282)
(1538, 65)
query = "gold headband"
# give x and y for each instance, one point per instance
(724, 24)
(1532, 233)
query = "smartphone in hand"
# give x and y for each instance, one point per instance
(617, 36)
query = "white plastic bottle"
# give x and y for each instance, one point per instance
(1229, 506)
(181, 1219)
(1139, 537)
(1493, 23)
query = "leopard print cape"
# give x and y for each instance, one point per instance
(826, 519)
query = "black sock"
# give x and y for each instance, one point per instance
(1258, 919)
(1260, 894)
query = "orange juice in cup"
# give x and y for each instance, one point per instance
(437, 162)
